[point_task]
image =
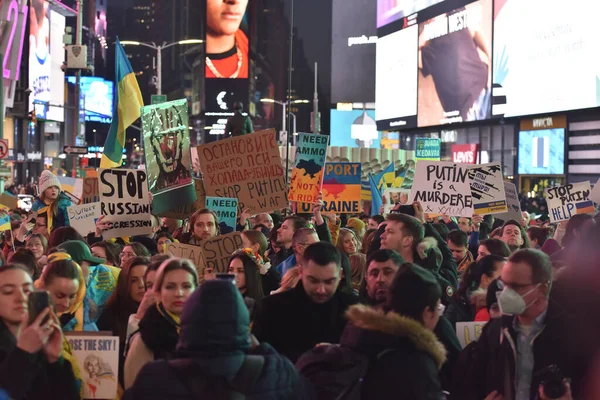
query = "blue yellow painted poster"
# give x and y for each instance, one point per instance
(307, 175)
(226, 209)
(342, 188)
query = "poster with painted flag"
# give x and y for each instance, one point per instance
(342, 188)
(487, 189)
(568, 200)
(443, 188)
(124, 201)
(307, 174)
(83, 217)
(428, 149)
(5, 223)
(165, 128)
(226, 209)
(73, 188)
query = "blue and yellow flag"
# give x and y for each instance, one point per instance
(4, 223)
(127, 109)
(376, 197)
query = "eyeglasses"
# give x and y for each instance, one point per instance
(514, 286)
(127, 255)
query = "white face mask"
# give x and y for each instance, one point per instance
(512, 303)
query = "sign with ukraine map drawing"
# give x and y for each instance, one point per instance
(307, 175)
(341, 188)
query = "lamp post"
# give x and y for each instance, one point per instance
(159, 49)
(283, 104)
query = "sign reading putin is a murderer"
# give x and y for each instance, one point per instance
(245, 167)
(124, 201)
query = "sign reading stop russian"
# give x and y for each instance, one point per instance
(3, 148)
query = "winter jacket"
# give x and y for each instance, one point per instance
(286, 265)
(62, 217)
(491, 366)
(405, 356)
(464, 308)
(292, 323)
(215, 339)
(30, 376)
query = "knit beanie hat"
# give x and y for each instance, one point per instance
(356, 224)
(413, 289)
(48, 179)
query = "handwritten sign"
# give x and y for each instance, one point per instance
(568, 200)
(192, 253)
(245, 167)
(307, 175)
(443, 188)
(487, 189)
(468, 332)
(595, 194)
(83, 217)
(512, 202)
(226, 209)
(428, 149)
(218, 250)
(125, 202)
(73, 186)
(9, 201)
(98, 359)
(90, 191)
(184, 211)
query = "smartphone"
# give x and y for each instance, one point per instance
(408, 210)
(226, 277)
(39, 300)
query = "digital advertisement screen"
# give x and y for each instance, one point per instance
(389, 11)
(348, 129)
(454, 56)
(396, 80)
(46, 56)
(226, 39)
(353, 48)
(98, 94)
(542, 152)
(221, 95)
(550, 62)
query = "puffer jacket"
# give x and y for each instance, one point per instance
(62, 217)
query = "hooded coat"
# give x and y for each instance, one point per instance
(406, 357)
(215, 337)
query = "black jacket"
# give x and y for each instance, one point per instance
(29, 376)
(215, 339)
(405, 356)
(491, 365)
(293, 323)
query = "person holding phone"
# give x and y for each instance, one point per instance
(31, 363)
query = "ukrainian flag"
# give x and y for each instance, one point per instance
(127, 109)
(4, 223)
(376, 197)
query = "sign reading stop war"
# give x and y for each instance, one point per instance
(124, 201)
(246, 167)
(568, 200)
(217, 251)
(192, 253)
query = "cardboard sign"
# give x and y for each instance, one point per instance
(245, 167)
(487, 189)
(125, 202)
(226, 209)
(98, 359)
(465, 153)
(9, 201)
(443, 188)
(73, 186)
(165, 128)
(192, 253)
(307, 175)
(184, 211)
(595, 194)
(428, 149)
(468, 332)
(83, 217)
(395, 196)
(218, 250)
(341, 188)
(90, 191)
(512, 201)
(568, 200)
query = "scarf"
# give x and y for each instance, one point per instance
(160, 331)
(50, 209)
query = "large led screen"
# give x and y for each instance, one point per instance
(389, 11)
(353, 51)
(98, 94)
(396, 80)
(454, 59)
(351, 129)
(546, 56)
(542, 152)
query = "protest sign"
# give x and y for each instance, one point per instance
(512, 202)
(83, 217)
(98, 359)
(90, 191)
(226, 209)
(218, 250)
(184, 211)
(428, 149)
(245, 167)
(192, 253)
(468, 332)
(395, 196)
(443, 188)
(595, 194)
(73, 187)
(125, 202)
(165, 128)
(9, 201)
(487, 189)
(341, 188)
(307, 174)
(568, 200)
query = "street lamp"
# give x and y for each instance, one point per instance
(284, 105)
(159, 49)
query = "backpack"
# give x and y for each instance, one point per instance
(335, 371)
(217, 388)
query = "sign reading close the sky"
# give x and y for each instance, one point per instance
(487, 189)
(307, 175)
(568, 200)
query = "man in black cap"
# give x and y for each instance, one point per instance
(238, 124)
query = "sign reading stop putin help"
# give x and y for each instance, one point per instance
(568, 200)
(125, 202)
